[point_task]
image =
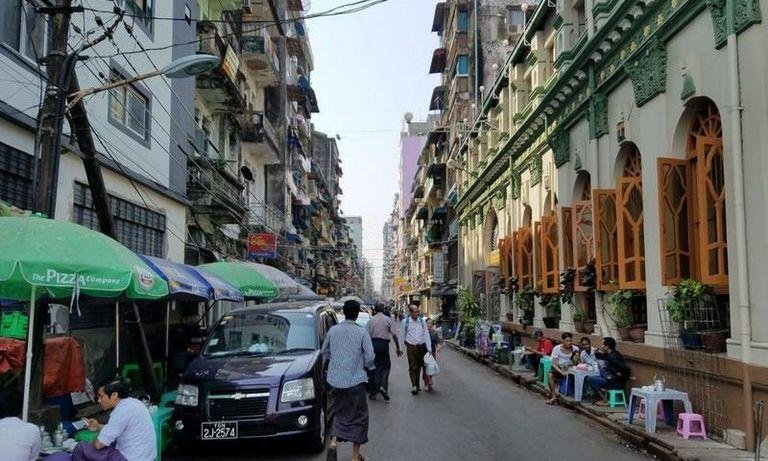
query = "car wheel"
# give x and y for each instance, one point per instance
(317, 436)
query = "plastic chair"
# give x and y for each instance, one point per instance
(659, 412)
(132, 374)
(545, 366)
(691, 424)
(616, 398)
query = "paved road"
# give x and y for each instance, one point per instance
(473, 414)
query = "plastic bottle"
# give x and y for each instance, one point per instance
(59, 436)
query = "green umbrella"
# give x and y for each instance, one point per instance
(244, 276)
(58, 258)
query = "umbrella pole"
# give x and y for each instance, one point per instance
(168, 335)
(117, 336)
(28, 366)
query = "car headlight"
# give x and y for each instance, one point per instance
(300, 389)
(187, 395)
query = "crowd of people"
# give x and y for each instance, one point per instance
(613, 372)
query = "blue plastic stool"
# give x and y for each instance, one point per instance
(616, 398)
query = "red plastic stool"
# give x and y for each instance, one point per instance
(691, 424)
(660, 416)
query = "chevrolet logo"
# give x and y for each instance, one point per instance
(238, 396)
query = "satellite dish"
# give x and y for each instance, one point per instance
(247, 173)
(408, 117)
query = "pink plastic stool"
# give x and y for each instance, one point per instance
(691, 424)
(659, 412)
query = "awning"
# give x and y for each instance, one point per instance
(438, 61)
(445, 290)
(437, 21)
(438, 98)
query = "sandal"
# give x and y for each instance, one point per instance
(552, 401)
(601, 403)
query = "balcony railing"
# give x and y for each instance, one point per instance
(259, 55)
(266, 216)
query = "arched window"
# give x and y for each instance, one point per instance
(523, 238)
(692, 203)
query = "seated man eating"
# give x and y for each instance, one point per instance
(562, 360)
(613, 374)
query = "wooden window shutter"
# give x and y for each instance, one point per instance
(713, 249)
(537, 255)
(505, 259)
(517, 254)
(567, 238)
(550, 267)
(674, 220)
(524, 257)
(630, 241)
(583, 239)
(606, 252)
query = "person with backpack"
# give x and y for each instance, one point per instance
(414, 334)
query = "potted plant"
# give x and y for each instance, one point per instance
(524, 300)
(618, 306)
(683, 300)
(551, 304)
(582, 323)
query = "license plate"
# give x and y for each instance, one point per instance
(224, 430)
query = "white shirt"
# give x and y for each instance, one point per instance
(130, 425)
(562, 358)
(19, 441)
(588, 357)
(415, 332)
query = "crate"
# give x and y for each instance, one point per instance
(14, 325)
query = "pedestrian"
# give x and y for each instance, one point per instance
(381, 328)
(614, 373)
(128, 435)
(349, 351)
(437, 345)
(562, 360)
(543, 348)
(20, 441)
(415, 335)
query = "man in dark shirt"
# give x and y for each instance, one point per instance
(614, 372)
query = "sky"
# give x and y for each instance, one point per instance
(370, 69)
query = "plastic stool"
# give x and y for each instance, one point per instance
(616, 398)
(691, 424)
(545, 366)
(660, 410)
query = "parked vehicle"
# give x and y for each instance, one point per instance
(260, 375)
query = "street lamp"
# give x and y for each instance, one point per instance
(188, 66)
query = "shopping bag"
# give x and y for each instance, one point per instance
(431, 364)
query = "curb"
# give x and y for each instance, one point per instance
(638, 439)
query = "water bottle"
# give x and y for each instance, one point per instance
(45, 437)
(59, 436)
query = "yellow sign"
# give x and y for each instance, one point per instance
(494, 258)
(400, 281)
(231, 64)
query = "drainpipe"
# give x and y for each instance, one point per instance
(733, 113)
(476, 40)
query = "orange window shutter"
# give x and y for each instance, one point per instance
(527, 246)
(517, 254)
(550, 255)
(567, 238)
(713, 242)
(674, 220)
(606, 252)
(630, 237)
(537, 270)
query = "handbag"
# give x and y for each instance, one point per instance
(431, 364)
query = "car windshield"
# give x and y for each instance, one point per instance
(262, 333)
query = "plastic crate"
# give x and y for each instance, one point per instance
(14, 325)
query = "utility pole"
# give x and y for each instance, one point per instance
(52, 111)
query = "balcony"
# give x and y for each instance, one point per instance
(259, 138)
(220, 88)
(437, 66)
(215, 190)
(267, 217)
(260, 58)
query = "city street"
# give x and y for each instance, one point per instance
(473, 414)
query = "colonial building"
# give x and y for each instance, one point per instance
(620, 152)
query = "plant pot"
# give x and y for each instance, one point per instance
(510, 316)
(636, 333)
(713, 342)
(589, 326)
(550, 322)
(690, 339)
(624, 333)
(579, 325)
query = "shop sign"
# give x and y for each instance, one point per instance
(262, 246)
(438, 269)
(493, 259)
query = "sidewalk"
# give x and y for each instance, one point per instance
(664, 444)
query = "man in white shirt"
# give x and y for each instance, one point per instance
(130, 428)
(19, 441)
(562, 360)
(415, 335)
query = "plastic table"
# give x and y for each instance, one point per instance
(652, 399)
(579, 376)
